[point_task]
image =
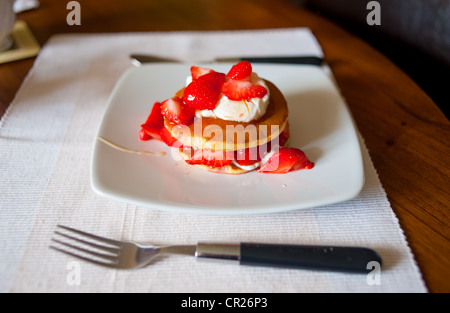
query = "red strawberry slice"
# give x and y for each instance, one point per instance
(143, 135)
(250, 156)
(240, 71)
(204, 92)
(151, 131)
(286, 160)
(169, 140)
(247, 156)
(152, 126)
(197, 71)
(242, 90)
(211, 158)
(176, 111)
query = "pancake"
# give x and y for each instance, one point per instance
(223, 135)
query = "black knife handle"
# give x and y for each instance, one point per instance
(330, 258)
(308, 60)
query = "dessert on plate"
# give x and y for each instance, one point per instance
(227, 123)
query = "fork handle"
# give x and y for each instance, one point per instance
(330, 258)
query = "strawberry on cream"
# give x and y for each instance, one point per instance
(239, 110)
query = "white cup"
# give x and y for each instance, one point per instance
(7, 20)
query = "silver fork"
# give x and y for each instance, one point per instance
(109, 252)
(125, 255)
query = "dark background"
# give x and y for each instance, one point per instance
(414, 34)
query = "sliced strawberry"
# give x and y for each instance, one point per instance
(204, 92)
(143, 135)
(169, 140)
(176, 111)
(247, 156)
(152, 132)
(197, 71)
(286, 160)
(250, 156)
(211, 158)
(242, 90)
(152, 126)
(240, 71)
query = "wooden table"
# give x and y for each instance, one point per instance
(407, 135)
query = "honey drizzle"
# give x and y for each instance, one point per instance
(113, 145)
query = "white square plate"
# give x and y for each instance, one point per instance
(320, 125)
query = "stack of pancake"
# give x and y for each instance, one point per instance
(231, 137)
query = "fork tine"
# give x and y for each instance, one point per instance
(111, 258)
(78, 256)
(92, 236)
(88, 243)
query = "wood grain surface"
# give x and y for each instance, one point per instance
(407, 135)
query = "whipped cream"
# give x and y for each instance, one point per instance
(246, 167)
(239, 111)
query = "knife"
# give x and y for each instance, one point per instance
(139, 59)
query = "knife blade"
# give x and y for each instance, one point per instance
(139, 59)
